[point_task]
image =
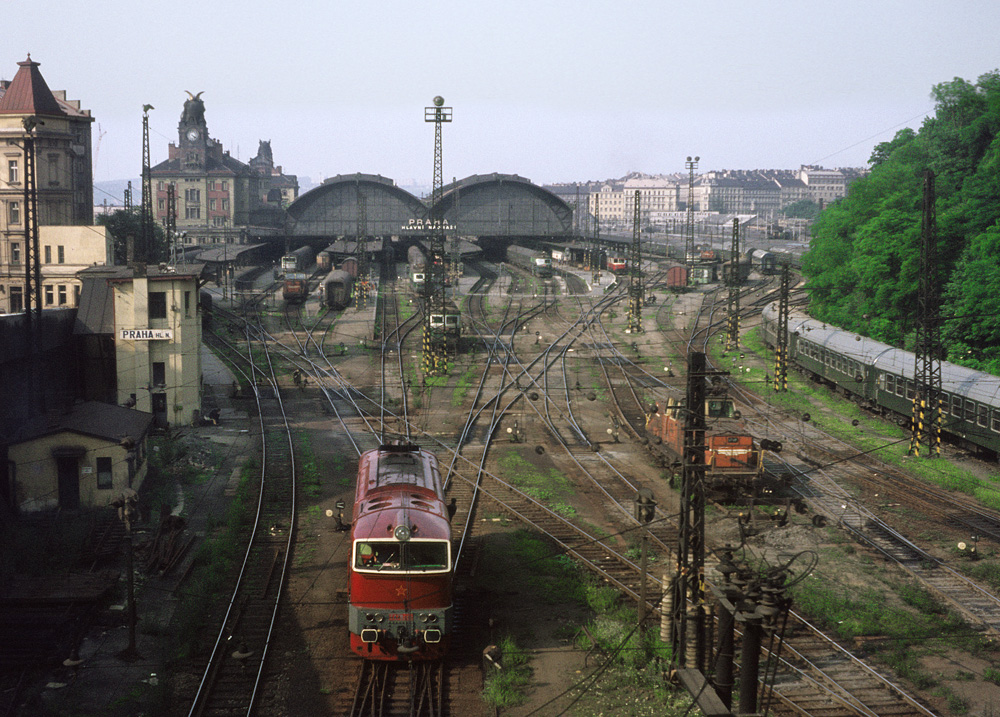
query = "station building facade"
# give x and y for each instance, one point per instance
(63, 176)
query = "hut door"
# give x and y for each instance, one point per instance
(69, 483)
(160, 410)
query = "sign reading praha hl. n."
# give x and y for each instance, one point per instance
(146, 334)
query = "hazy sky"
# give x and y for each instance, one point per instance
(551, 90)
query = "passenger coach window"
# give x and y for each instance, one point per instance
(956, 406)
(995, 424)
(982, 417)
(970, 411)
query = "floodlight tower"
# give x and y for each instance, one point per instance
(635, 289)
(435, 358)
(691, 164)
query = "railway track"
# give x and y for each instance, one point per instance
(234, 669)
(809, 680)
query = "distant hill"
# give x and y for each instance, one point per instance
(113, 191)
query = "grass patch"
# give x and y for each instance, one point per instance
(461, 389)
(507, 687)
(309, 473)
(549, 487)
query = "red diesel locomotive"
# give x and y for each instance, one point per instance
(400, 605)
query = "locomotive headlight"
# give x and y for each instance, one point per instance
(370, 617)
(432, 618)
(401, 533)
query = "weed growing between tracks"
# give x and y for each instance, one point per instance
(309, 476)
(625, 666)
(550, 488)
(506, 687)
(214, 563)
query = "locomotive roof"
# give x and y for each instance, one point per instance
(965, 382)
(400, 485)
(390, 467)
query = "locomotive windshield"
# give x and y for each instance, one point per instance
(394, 556)
(720, 408)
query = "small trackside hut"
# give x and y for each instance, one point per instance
(400, 605)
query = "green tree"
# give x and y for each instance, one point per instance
(123, 224)
(864, 259)
(802, 209)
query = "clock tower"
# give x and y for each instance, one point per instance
(193, 132)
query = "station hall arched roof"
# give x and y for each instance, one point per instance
(493, 205)
(504, 205)
(332, 209)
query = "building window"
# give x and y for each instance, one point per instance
(211, 184)
(192, 195)
(62, 295)
(219, 221)
(225, 186)
(192, 212)
(187, 303)
(15, 252)
(225, 205)
(48, 254)
(49, 295)
(157, 304)
(159, 203)
(14, 213)
(60, 255)
(13, 172)
(159, 373)
(104, 475)
(54, 170)
(211, 204)
(16, 299)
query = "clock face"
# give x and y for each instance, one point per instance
(192, 134)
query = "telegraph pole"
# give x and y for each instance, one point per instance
(435, 340)
(927, 413)
(689, 579)
(733, 304)
(170, 225)
(691, 164)
(781, 331)
(32, 253)
(361, 250)
(145, 253)
(635, 288)
(595, 254)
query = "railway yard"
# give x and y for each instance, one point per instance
(539, 429)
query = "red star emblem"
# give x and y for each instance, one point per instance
(401, 591)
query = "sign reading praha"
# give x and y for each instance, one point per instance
(146, 334)
(428, 225)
